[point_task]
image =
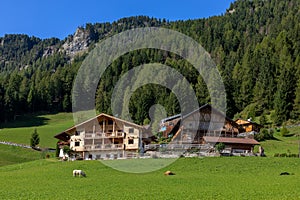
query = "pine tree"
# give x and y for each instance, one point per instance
(283, 102)
(296, 105)
(35, 139)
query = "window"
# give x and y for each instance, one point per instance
(77, 144)
(131, 130)
(130, 141)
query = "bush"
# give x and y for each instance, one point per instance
(284, 132)
(259, 137)
(220, 146)
(276, 155)
(263, 120)
(283, 155)
(265, 134)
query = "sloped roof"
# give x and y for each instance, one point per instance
(212, 109)
(65, 134)
(246, 122)
(228, 140)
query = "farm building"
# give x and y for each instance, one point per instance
(206, 125)
(249, 125)
(108, 137)
(104, 137)
(233, 145)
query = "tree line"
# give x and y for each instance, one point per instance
(255, 45)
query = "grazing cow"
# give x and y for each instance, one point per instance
(167, 173)
(78, 172)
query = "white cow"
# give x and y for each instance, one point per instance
(78, 172)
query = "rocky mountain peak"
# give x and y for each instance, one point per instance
(78, 42)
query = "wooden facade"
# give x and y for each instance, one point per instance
(248, 125)
(206, 122)
(103, 137)
(245, 145)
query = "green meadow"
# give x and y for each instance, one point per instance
(27, 176)
(14, 155)
(196, 178)
(47, 126)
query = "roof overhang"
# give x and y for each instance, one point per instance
(65, 135)
(227, 140)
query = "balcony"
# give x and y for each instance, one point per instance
(104, 135)
(78, 148)
(103, 147)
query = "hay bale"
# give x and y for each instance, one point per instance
(167, 173)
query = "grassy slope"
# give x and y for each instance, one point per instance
(47, 126)
(281, 145)
(208, 178)
(13, 155)
(288, 145)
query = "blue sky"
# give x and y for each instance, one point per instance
(59, 18)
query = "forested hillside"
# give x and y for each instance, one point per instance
(255, 45)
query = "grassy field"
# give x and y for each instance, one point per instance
(14, 155)
(47, 126)
(26, 176)
(289, 145)
(196, 178)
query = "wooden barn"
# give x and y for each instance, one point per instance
(206, 125)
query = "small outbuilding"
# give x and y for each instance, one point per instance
(235, 145)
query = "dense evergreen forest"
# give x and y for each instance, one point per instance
(255, 45)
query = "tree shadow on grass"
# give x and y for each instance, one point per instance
(31, 120)
(274, 138)
(289, 135)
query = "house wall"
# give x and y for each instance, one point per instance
(100, 142)
(206, 122)
(77, 142)
(131, 139)
(248, 147)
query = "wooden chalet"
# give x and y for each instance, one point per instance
(205, 125)
(249, 125)
(104, 137)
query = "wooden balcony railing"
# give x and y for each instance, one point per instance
(103, 147)
(104, 135)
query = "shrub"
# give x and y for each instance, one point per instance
(57, 150)
(284, 132)
(283, 155)
(276, 155)
(259, 137)
(67, 150)
(220, 146)
(263, 120)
